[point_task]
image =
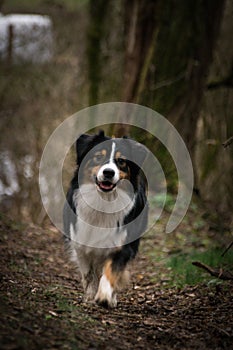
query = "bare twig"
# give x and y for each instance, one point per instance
(228, 142)
(170, 81)
(227, 248)
(226, 82)
(219, 273)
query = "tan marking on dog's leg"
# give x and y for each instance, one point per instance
(109, 283)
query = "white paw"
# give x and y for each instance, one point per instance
(105, 295)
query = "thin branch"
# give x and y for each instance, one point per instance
(227, 248)
(228, 142)
(170, 81)
(226, 82)
(219, 273)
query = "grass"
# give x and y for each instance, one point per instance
(192, 241)
(162, 200)
(182, 272)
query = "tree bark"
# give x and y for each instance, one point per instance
(169, 49)
(185, 112)
(98, 10)
(140, 38)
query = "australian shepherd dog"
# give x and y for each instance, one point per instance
(106, 212)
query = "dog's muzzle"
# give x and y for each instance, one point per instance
(107, 178)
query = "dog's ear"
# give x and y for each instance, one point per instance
(100, 134)
(140, 153)
(85, 142)
(82, 145)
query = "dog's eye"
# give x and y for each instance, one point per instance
(121, 162)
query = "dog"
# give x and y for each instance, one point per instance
(106, 212)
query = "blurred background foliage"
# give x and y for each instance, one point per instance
(173, 56)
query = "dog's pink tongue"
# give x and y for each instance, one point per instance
(106, 186)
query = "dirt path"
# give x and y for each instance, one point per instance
(42, 308)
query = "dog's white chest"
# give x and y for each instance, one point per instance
(100, 221)
(98, 237)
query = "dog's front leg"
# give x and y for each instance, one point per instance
(109, 283)
(106, 295)
(89, 278)
(90, 285)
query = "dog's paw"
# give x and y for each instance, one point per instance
(106, 296)
(106, 303)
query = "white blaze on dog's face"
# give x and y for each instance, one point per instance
(105, 165)
(108, 174)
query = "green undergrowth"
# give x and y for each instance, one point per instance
(172, 254)
(182, 272)
(162, 200)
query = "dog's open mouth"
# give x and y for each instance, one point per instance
(105, 186)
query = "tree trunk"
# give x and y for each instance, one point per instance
(98, 10)
(169, 49)
(140, 38)
(185, 112)
(215, 127)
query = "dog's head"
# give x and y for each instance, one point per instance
(106, 161)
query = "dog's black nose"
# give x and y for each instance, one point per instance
(109, 173)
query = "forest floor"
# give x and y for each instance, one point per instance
(41, 302)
